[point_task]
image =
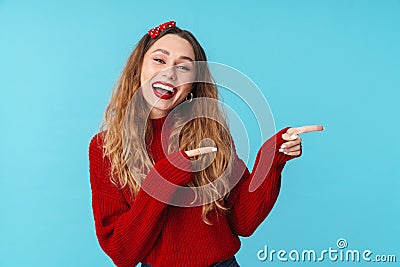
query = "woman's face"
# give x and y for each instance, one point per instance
(168, 73)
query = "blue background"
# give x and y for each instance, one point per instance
(334, 63)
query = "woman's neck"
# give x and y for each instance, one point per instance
(157, 114)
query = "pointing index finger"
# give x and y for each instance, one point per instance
(308, 128)
(200, 151)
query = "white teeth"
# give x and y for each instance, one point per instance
(162, 86)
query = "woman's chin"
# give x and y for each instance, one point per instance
(161, 109)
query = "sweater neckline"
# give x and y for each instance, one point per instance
(158, 123)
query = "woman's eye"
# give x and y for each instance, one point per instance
(159, 60)
(183, 68)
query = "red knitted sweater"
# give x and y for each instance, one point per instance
(149, 231)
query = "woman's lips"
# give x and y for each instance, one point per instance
(164, 90)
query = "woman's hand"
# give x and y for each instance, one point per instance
(293, 146)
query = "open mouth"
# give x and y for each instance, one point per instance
(163, 90)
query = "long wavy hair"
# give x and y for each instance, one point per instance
(123, 142)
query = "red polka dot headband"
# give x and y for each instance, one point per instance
(157, 30)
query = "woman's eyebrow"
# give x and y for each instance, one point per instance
(187, 58)
(167, 53)
(162, 51)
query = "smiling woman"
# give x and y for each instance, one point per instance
(130, 172)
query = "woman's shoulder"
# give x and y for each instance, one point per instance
(97, 141)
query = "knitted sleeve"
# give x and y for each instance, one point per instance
(127, 231)
(249, 209)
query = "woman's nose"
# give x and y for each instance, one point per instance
(169, 73)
